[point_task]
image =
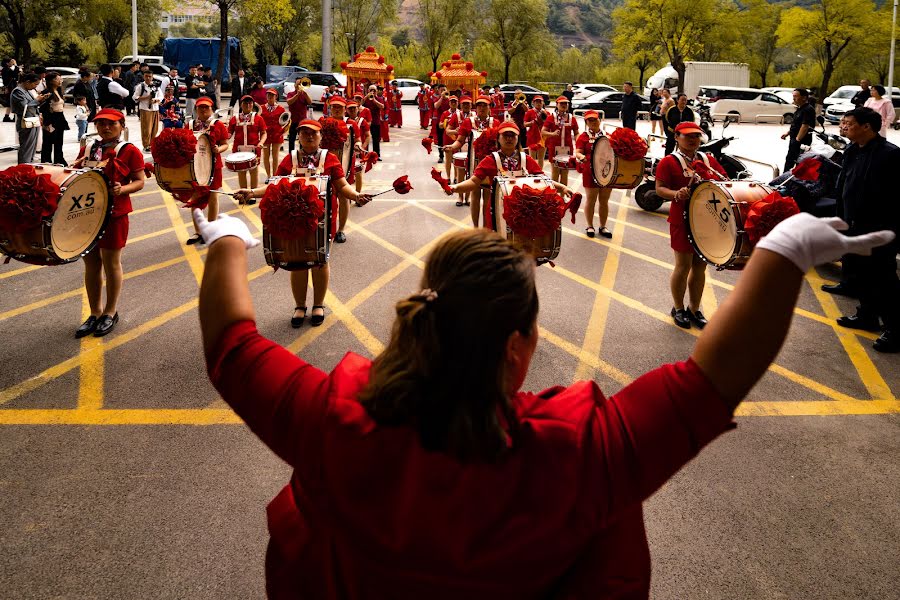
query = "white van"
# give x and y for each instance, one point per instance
(746, 104)
(158, 60)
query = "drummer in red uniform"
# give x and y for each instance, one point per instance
(248, 130)
(674, 176)
(336, 105)
(422, 101)
(363, 125)
(395, 100)
(271, 113)
(106, 258)
(559, 132)
(596, 195)
(219, 137)
(451, 136)
(310, 156)
(534, 121)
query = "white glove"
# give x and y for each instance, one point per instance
(808, 241)
(222, 227)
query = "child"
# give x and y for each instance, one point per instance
(81, 115)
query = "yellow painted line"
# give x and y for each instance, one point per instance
(178, 225)
(708, 304)
(596, 327)
(594, 361)
(639, 209)
(15, 272)
(90, 372)
(127, 416)
(868, 372)
(816, 408)
(157, 190)
(360, 331)
(147, 209)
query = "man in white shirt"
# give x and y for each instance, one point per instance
(110, 94)
(238, 88)
(147, 95)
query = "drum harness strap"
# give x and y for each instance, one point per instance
(686, 169)
(99, 164)
(510, 172)
(563, 124)
(308, 167)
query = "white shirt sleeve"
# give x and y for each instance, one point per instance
(117, 89)
(138, 90)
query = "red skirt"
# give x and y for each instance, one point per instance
(116, 234)
(679, 238)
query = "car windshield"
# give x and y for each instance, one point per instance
(843, 94)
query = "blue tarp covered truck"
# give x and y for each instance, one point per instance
(181, 53)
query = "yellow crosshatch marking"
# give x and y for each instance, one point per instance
(90, 360)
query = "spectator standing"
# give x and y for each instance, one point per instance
(883, 106)
(131, 78)
(53, 121)
(675, 114)
(569, 93)
(170, 80)
(194, 85)
(240, 85)
(170, 110)
(655, 115)
(42, 84)
(631, 104)
(9, 77)
(84, 87)
(869, 169)
(801, 129)
(298, 103)
(23, 103)
(110, 93)
(864, 93)
(375, 106)
(82, 113)
(148, 97)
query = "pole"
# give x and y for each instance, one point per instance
(890, 89)
(134, 39)
(326, 35)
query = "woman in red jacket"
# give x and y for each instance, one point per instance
(428, 474)
(271, 114)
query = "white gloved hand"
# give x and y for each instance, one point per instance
(808, 241)
(222, 227)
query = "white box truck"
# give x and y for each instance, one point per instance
(700, 73)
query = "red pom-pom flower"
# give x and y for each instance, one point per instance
(291, 209)
(445, 64)
(445, 183)
(706, 173)
(469, 66)
(483, 73)
(427, 143)
(533, 212)
(174, 147)
(402, 185)
(344, 65)
(486, 143)
(765, 214)
(456, 57)
(390, 67)
(807, 170)
(26, 198)
(334, 134)
(197, 197)
(574, 204)
(439, 75)
(380, 60)
(149, 169)
(371, 159)
(370, 48)
(627, 144)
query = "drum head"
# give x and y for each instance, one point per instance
(711, 223)
(603, 160)
(82, 215)
(236, 157)
(203, 160)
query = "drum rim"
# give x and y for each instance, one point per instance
(593, 169)
(687, 223)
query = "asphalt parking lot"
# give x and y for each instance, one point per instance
(122, 475)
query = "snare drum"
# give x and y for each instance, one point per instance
(198, 172)
(613, 172)
(544, 249)
(714, 215)
(81, 217)
(561, 161)
(313, 249)
(241, 161)
(461, 160)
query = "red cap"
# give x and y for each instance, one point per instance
(337, 100)
(204, 101)
(352, 104)
(465, 99)
(562, 99)
(454, 99)
(271, 91)
(310, 124)
(357, 95)
(109, 114)
(591, 114)
(688, 127)
(508, 126)
(482, 100)
(244, 99)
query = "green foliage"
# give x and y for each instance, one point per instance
(357, 21)
(514, 27)
(443, 26)
(62, 53)
(112, 20)
(279, 27)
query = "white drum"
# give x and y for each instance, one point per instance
(544, 249)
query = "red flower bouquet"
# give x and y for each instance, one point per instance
(291, 209)
(627, 144)
(334, 134)
(765, 214)
(26, 198)
(402, 185)
(483, 73)
(445, 183)
(371, 159)
(808, 170)
(427, 143)
(197, 197)
(532, 212)
(174, 147)
(344, 65)
(485, 144)
(706, 173)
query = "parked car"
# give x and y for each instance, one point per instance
(609, 102)
(785, 93)
(746, 104)
(158, 60)
(583, 90)
(320, 82)
(841, 95)
(277, 73)
(409, 88)
(69, 77)
(836, 110)
(509, 93)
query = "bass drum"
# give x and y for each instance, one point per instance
(349, 147)
(82, 214)
(311, 250)
(613, 172)
(197, 172)
(544, 249)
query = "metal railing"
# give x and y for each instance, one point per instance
(776, 171)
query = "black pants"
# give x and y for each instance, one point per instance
(879, 287)
(292, 136)
(792, 155)
(629, 121)
(52, 147)
(440, 144)
(375, 131)
(670, 143)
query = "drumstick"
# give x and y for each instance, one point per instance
(249, 201)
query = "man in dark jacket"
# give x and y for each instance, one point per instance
(802, 126)
(864, 93)
(240, 86)
(631, 104)
(678, 113)
(131, 78)
(866, 203)
(84, 88)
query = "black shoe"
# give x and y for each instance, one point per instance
(604, 232)
(316, 320)
(88, 327)
(8, 119)
(106, 324)
(697, 318)
(841, 289)
(681, 318)
(460, 203)
(296, 322)
(340, 238)
(855, 322)
(888, 342)
(379, 159)
(197, 239)
(589, 231)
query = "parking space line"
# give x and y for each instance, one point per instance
(178, 224)
(90, 372)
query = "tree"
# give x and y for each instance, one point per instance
(22, 20)
(355, 21)
(224, 7)
(825, 31)
(513, 27)
(641, 51)
(111, 19)
(758, 27)
(65, 54)
(443, 24)
(280, 26)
